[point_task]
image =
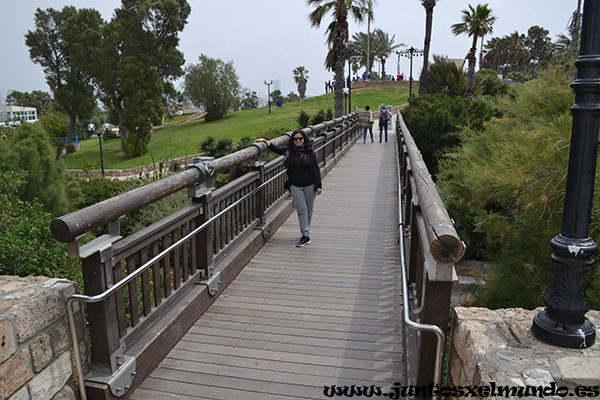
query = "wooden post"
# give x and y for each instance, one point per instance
(103, 323)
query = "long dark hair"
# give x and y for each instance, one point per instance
(308, 143)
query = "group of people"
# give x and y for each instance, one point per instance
(329, 86)
(303, 171)
(366, 119)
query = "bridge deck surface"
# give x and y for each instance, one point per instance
(297, 320)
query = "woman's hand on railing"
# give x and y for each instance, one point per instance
(265, 141)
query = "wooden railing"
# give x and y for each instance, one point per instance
(140, 290)
(430, 247)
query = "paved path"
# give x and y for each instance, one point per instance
(297, 320)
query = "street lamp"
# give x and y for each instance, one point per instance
(269, 83)
(563, 322)
(411, 53)
(346, 93)
(350, 80)
(398, 65)
(91, 129)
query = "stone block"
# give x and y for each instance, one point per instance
(8, 342)
(65, 393)
(15, 372)
(41, 352)
(22, 394)
(36, 314)
(6, 304)
(579, 369)
(52, 379)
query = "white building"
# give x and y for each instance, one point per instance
(12, 115)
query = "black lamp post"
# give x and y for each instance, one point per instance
(563, 322)
(91, 129)
(269, 83)
(346, 94)
(411, 53)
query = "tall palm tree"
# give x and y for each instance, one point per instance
(383, 46)
(369, 13)
(428, 5)
(476, 22)
(337, 37)
(301, 77)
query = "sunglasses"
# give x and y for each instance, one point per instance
(298, 139)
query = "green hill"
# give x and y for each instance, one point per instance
(183, 139)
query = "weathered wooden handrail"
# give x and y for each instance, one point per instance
(68, 227)
(432, 249)
(446, 247)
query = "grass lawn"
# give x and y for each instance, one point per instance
(183, 139)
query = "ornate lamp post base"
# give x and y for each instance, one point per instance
(563, 323)
(565, 335)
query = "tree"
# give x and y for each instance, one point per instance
(133, 60)
(46, 177)
(276, 96)
(212, 84)
(428, 5)
(291, 97)
(445, 78)
(38, 99)
(337, 37)
(49, 47)
(360, 46)
(476, 22)
(383, 46)
(301, 77)
(249, 99)
(370, 16)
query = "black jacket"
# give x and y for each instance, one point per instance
(302, 166)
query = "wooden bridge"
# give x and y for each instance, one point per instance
(270, 320)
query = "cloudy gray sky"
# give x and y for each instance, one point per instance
(267, 39)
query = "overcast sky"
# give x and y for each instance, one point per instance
(267, 39)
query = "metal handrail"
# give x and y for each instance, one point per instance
(102, 296)
(440, 337)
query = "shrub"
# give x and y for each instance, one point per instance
(26, 244)
(505, 186)
(303, 119)
(29, 149)
(434, 121)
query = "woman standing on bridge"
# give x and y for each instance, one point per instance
(304, 177)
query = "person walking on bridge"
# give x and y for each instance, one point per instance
(384, 117)
(304, 177)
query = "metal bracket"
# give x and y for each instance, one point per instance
(119, 381)
(212, 282)
(266, 230)
(207, 172)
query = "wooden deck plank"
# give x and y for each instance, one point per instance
(297, 320)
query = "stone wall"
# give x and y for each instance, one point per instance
(36, 360)
(498, 346)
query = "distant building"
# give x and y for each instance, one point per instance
(459, 62)
(12, 115)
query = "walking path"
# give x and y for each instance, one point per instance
(299, 320)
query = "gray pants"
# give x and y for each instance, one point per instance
(304, 199)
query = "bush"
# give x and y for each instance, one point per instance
(489, 83)
(70, 148)
(303, 119)
(29, 149)
(504, 187)
(434, 121)
(26, 244)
